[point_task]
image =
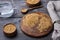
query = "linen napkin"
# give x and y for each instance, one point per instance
(54, 16)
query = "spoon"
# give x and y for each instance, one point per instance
(25, 10)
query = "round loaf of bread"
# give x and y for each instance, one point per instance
(36, 24)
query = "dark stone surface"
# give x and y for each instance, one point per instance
(18, 4)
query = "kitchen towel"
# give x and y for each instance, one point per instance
(53, 8)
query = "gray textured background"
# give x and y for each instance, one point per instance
(18, 4)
